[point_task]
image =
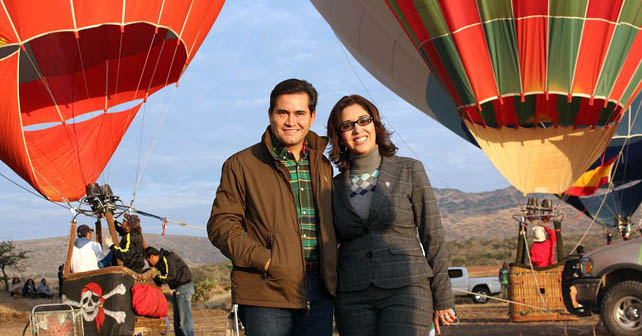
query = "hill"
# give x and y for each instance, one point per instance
(46, 254)
(467, 217)
(488, 215)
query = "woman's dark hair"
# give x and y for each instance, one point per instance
(293, 85)
(15, 280)
(339, 152)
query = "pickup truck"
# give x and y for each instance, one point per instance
(608, 282)
(483, 285)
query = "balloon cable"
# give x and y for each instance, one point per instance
(31, 192)
(388, 121)
(158, 128)
(611, 185)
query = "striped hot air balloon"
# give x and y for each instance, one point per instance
(540, 84)
(612, 186)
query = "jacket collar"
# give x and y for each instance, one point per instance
(316, 143)
(81, 241)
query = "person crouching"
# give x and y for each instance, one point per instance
(175, 273)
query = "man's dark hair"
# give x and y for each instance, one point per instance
(293, 85)
(150, 251)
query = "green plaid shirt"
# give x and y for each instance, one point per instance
(301, 185)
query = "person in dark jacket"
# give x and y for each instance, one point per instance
(29, 289)
(272, 217)
(393, 260)
(175, 273)
(131, 250)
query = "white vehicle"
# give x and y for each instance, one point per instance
(482, 285)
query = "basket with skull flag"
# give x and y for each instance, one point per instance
(104, 301)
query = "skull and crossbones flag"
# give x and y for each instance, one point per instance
(104, 301)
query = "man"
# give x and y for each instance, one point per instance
(87, 255)
(175, 273)
(130, 249)
(60, 273)
(543, 248)
(43, 290)
(272, 216)
(503, 279)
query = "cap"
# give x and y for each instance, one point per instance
(539, 234)
(132, 220)
(83, 229)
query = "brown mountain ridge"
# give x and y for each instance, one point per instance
(483, 216)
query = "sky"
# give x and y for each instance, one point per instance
(220, 107)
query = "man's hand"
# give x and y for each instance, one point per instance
(445, 317)
(267, 265)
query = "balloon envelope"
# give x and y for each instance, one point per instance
(539, 84)
(65, 78)
(623, 157)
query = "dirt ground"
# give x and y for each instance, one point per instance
(474, 320)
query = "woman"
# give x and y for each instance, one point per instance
(385, 217)
(29, 289)
(16, 287)
(130, 250)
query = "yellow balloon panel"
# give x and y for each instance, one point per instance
(541, 160)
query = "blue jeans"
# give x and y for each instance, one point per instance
(265, 321)
(106, 261)
(182, 304)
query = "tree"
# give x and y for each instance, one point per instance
(11, 256)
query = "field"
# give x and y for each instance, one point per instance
(483, 258)
(474, 320)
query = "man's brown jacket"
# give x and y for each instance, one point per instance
(254, 219)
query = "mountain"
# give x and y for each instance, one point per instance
(46, 254)
(489, 215)
(484, 216)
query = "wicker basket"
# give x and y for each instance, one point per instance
(149, 326)
(523, 288)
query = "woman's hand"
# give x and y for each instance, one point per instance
(444, 317)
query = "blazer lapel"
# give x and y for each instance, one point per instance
(388, 171)
(343, 184)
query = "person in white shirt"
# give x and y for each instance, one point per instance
(87, 255)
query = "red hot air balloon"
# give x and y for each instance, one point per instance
(66, 64)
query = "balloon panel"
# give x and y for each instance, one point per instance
(88, 58)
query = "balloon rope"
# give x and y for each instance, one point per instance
(167, 106)
(162, 219)
(388, 121)
(120, 51)
(153, 143)
(62, 120)
(446, 185)
(31, 192)
(142, 126)
(611, 185)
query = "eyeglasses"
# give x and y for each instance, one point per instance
(349, 125)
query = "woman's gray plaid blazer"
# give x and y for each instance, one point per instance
(385, 250)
